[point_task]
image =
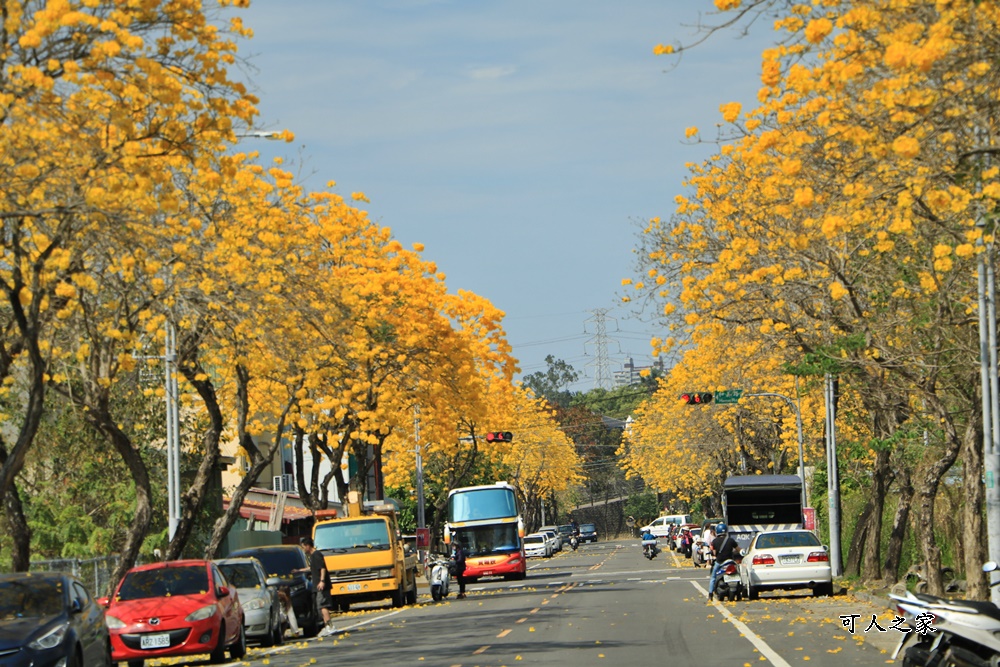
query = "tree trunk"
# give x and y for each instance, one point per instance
(871, 560)
(894, 549)
(852, 567)
(143, 494)
(193, 499)
(977, 587)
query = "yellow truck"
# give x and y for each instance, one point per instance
(366, 557)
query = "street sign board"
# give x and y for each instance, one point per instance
(728, 396)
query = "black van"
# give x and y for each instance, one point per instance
(281, 561)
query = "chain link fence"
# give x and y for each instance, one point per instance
(95, 573)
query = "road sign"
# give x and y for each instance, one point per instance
(728, 396)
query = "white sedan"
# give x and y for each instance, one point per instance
(537, 546)
(786, 560)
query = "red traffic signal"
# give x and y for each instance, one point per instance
(696, 398)
(499, 436)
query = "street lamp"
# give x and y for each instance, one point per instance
(260, 134)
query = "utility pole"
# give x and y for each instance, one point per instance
(833, 475)
(990, 397)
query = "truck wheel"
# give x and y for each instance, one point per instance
(411, 595)
(398, 596)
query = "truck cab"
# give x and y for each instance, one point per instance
(366, 557)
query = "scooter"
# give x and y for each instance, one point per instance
(649, 549)
(729, 586)
(959, 633)
(440, 575)
(574, 542)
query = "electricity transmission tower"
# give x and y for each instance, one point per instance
(602, 375)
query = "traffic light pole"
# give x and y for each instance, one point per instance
(798, 424)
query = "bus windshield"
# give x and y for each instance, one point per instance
(482, 505)
(488, 540)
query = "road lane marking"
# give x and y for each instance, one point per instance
(761, 645)
(504, 633)
(481, 649)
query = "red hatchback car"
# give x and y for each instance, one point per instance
(176, 608)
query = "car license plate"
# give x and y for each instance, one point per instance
(354, 587)
(155, 641)
(789, 560)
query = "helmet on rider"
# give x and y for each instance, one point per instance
(720, 528)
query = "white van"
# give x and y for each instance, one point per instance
(661, 527)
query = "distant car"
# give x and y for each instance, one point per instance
(552, 537)
(555, 533)
(565, 532)
(536, 546)
(49, 618)
(588, 532)
(261, 609)
(176, 608)
(660, 527)
(283, 561)
(786, 560)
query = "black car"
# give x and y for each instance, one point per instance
(588, 532)
(49, 618)
(282, 561)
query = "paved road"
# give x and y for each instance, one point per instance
(602, 605)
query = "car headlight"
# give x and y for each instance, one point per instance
(50, 639)
(256, 603)
(113, 623)
(200, 615)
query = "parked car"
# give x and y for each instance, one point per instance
(176, 608)
(786, 560)
(284, 562)
(552, 537)
(537, 546)
(261, 609)
(555, 531)
(588, 532)
(50, 619)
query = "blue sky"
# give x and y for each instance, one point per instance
(523, 142)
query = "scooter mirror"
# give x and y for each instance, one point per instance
(990, 566)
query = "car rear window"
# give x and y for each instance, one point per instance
(164, 581)
(241, 575)
(777, 540)
(277, 562)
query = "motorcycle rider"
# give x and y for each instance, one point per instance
(647, 536)
(724, 547)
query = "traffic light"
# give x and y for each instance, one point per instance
(696, 397)
(499, 436)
